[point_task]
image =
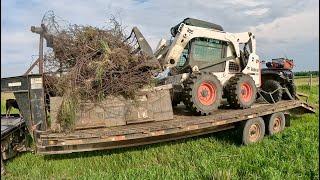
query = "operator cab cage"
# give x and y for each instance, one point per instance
(195, 22)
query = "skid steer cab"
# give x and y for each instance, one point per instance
(205, 64)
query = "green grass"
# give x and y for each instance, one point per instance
(293, 154)
(4, 97)
(299, 81)
(312, 92)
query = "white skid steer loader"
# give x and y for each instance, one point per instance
(205, 64)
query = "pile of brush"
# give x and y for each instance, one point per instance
(94, 63)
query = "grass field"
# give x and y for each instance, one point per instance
(305, 81)
(293, 154)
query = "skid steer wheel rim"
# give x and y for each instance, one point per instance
(246, 92)
(276, 127)
(254, 132)
(207, 93)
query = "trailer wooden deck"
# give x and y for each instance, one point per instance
(182, 126)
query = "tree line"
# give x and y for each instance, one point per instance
(306, 73)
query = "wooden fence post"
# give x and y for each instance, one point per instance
(310, 81)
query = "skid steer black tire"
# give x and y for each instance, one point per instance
(175, 103)
(203, 93)
(176, 99)
(270, 86)
(241, 91)
(292, 90)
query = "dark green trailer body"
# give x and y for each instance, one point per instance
(29, 93)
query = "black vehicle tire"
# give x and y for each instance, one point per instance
(241, 91)
(292, 91)
(175, 103)
(253, 131)
(175, 99)
(270, 86)
(275, 123)
(3, 171)
(203, 93)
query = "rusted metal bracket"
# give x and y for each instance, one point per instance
(42, 31)
(32, 66)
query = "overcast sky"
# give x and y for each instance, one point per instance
(282, 28)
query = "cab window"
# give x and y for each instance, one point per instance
(183, 57)
(208, 50)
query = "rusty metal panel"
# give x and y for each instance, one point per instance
(138, 110)
(55, 103)
(152, 104)
(119, 141)
(37, 102)
(20, 87)
(14, 84)
(24, 106)
(159, 102)
(155, 105)
(29, 94)
(110, 112)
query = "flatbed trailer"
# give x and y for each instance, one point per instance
(29, 93)
(182, 126)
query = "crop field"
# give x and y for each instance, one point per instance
(305, 80)
(292, 154)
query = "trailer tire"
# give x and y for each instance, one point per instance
(202, 93)
(253, 131)
(270, 86)
(241, 91)
(3, 171)
(275, 123)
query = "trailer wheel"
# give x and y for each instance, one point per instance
(3, 171)
(241, 91)
(275, 123)
(253, 131)
(203, 93)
